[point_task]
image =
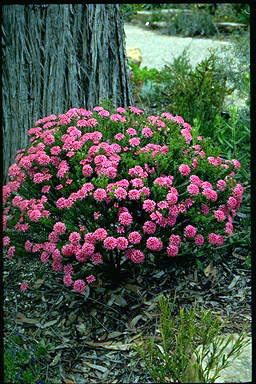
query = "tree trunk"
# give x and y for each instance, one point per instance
(56, 57)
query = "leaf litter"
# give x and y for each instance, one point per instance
(91, 338)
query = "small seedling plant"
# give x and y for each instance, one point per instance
(191, 348)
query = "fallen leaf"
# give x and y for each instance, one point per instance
(132, 287)
(237, 255)
(59, 301)
(67, 345)
(21, 318)
(56, 359)
(111, 300)
(233, 282)
(38, 283)
(67, 380)
(151, 315)
(211, 272)
(119, 300)
(137, 336)
(83, 329)
(94, 366)
(134, 321)
(114, 334)
(161, 349)
(50, 323)
(103, 336)
(109, 345)
(159, 274)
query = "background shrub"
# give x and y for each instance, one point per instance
(195, 23)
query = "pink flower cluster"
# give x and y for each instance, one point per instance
(104, 185)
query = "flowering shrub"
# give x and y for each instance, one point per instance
(96, 188)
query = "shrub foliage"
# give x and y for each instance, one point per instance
(109, 187)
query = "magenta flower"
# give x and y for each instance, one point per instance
(68, 269)
(90, 279)
(121, 110)
(172, 250)
(149, 205)
(238, 191)
(146, 191)
(34, 214)
(104, 113)
(87, 170)
(110, 243)
(199, 240)
(175, 240)
(172, 198)
(79, 286)
(134, 194)
(119, 136)
(24, 286)
(120, 193)
(44, 257)
(232, 202)
(219, 215)
(100, 234)
(97, 258)
(11, 251)
(195, 163)
(100, 194)
(236, 163)
(6, 241)
(131, 131)
(154, 244)
(195, 180)
(221, 185)
(184, 169)
(125, 218)
(74, 237)
(147, 132)
(120, 229)
(189, 231)
(59, 228)
(88, 249)
(132, 198)
(67, 280)
(90, 237)
(57, 266)
(229, 229)
(210, 194)
(137, 256)
(134, 237)
(137, 183)
(134, 142)
(122, 243)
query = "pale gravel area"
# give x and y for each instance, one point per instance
(158, 49)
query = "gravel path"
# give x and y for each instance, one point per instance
(158, 50)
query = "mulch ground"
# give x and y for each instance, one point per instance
(89, 339)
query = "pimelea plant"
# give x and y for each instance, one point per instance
(97, 188)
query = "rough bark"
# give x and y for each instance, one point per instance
(56, 57)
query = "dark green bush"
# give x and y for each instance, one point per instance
(194, 23)
(129, 10)
(198, 93)
(233, 12)
(234, 135)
